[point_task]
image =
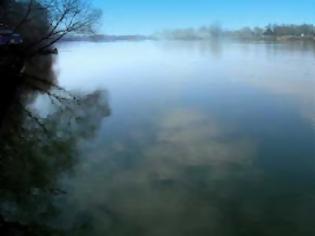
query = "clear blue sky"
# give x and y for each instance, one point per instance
(148, 16)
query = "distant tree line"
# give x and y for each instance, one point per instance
(216, 31)
(291, 30)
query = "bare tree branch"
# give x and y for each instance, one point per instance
(33, 117)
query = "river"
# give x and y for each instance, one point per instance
(204, 138)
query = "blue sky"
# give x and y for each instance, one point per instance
(149, 16)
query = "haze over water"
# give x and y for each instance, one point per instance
(204, 138)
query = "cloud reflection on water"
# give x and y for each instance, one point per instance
(174, 186)
(302, 92)
(198, 143)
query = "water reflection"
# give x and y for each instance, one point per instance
(301, 92)
(35, 153)
(201, 141)
(174, 185)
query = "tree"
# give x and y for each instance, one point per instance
(215, 31)
(41, 23)
(269, 31)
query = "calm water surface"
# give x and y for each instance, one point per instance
(203, 139)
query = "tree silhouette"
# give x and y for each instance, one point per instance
(41, 23)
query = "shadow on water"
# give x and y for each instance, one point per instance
(34, 157)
